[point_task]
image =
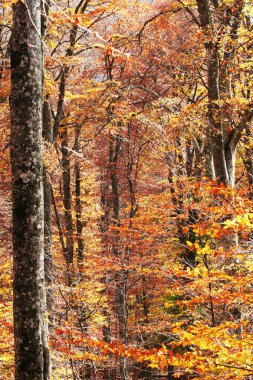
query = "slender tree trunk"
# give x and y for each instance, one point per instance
(220, 155)
(248, 162)
(30, 330)
(48, 138)
(108, 373)
(208, 159)
(79, 222)
(66, 172)
(47, 134)
(67, 198)
(120, 276)
(78, 200)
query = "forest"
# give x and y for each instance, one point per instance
(126, 189)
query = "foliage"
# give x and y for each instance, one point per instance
(161, 276)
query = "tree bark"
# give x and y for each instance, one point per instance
(248, 162)
(224, 135)
(30, 329)
(78, 200)
(67, 198)
(47, 186)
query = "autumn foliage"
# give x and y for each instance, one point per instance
(151, 266)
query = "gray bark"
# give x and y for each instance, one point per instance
(67, 198)
(66, 172)
(66, 176)
(121, 276)
(47, 134)
(79, 222)
(30, 329)
(48, 138)
(78, 196)
(223, 138)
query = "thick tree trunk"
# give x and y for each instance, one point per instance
(30, 330)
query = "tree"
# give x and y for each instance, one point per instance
(220, 23)
(30, 329)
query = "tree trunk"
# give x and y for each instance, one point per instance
(48, 138)
(47, 134)
(248, 163)
(67, 198)
(224, 135)
(218, 144)
(120, 276)
(30, 330)
(78, 191)
(79, 222)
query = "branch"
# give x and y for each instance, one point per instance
(6, 146)
(152, 19)
(191, 13)
(148, 22)
(84, 6)
(236, 367)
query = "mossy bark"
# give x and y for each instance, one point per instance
(30, 329)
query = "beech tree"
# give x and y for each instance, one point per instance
(220, 24)
(30, 329)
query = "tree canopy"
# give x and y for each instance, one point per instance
(147, 174)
